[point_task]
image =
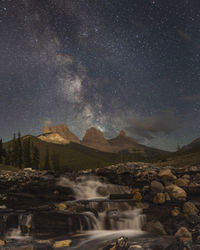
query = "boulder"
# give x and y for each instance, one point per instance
(62, 243)
(183, 234)
(166, 175)
(157, 187)
(182, 182)
(176, 192)
(190, 209)
(159, 198)
(154, 227)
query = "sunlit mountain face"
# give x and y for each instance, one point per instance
(114, 65)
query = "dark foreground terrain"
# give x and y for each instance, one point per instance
(124, 206)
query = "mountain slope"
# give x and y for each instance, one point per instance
(94, 138)
(56, 133)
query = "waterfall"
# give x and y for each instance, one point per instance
(112, 215)
(22, 231)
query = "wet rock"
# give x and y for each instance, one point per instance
(62, 243)
(157, 187)
(159, 198)
(121, 243)
(183, 234)
(190, 209)
(61, 206)
(176, 192)
(154, 227)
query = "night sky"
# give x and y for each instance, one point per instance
(111, 64)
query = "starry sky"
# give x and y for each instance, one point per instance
(111, 64)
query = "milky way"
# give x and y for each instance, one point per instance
(132, 65)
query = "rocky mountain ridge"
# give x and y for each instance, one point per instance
(95, 139)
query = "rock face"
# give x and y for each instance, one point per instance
(123, 142)
(58, 134)
(94, 138)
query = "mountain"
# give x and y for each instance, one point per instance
(59, 134)
(123, 142)
(94, 138)
(191, 146)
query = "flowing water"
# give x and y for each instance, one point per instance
(102, 219)
(114, 218)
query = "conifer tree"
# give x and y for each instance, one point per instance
(14, 151)
(55, 162)
(46, 162)
(2, 152)
(19, 151)
(36, 158)
(27, 153)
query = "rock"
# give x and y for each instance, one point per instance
(182, 182)
(176, 192)
(62, 243)
(167, 175)
(183, 234)
(61, 206)
(175, 212)
(137, 195)
(122, 243)
(157, 187)
(154, 227)
(167, 197)
(190, 209)
(2, 243)
(159, 198)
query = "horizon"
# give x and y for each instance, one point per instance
(81, 138)
(115, 65)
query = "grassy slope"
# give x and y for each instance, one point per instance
(180, 159)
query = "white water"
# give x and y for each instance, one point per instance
(87, 187)
(16, 233)
(118, 215)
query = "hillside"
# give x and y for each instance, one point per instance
(74, 156)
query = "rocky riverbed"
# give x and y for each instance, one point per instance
(126, 206)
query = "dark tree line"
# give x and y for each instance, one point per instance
(22, 153)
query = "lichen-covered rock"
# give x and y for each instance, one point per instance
(137, 196)
(183, 234)
(176, 192)
(190, 209)
(159, 198)
(167, 175)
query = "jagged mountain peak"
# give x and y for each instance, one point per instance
(94, 138)
(60, 133)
